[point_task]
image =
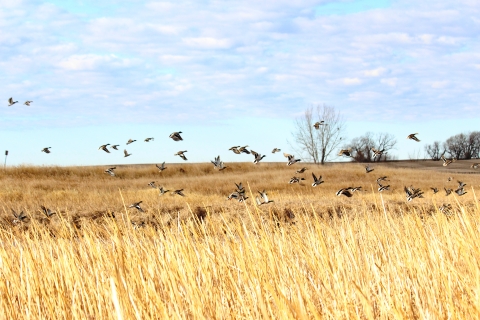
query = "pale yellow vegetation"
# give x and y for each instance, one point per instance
(372, 256)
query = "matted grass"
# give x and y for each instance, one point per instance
(370, 256)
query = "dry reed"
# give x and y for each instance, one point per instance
(309, 254)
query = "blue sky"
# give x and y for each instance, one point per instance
(229, 73)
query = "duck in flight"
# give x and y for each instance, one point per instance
(181, 155)
(179, 192)
(162, 167)
(318, 124)
(136, 205)
(264, 198)
(413, 137)
(110, 171)
(104, 147)
(11, 102)
(344, 191)
(176, 136)
(316, 181)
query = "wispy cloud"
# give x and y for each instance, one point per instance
(186, 60)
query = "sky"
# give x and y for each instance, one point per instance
(229, 73)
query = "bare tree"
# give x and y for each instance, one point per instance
(361, 146)
(463, 145)
(455, 145)
(434, 150)
(317, 145)
(386, 142)
(473, 145)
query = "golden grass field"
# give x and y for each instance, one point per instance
(371, 256)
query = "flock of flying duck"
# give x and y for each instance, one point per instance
(239, 192)
(262, 197)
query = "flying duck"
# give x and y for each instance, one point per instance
(368, 169)
(11, 102)
(296, 180)
(104, 147)
(19, 217)
(235, 149)
(413, 137)
(176, 136)
(258, 157)
(412, 193)
(263, 199)
(377, 153)
(110, 171)
(301, 170)
(244, 150)
(136, 205)
(383, 188)
(316, 181)
(162, 190)
(318, 124)
(162, 167)
(292, 160)
(446, 161)
(46, 150)
(152, 184)
(179, 192)
(345, 192)
(181, 155)
(47, 211)
(460, 191)
(345, 152)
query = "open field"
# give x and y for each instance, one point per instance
(373, 255)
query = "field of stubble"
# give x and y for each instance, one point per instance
(370, 256)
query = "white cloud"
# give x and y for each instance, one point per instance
(208, 43)
(392, 82)
(374, 72)
(351, 81)
(271, 57)
(93, 62)
(439, 84)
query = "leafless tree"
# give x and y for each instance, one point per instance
(463, 145)
(361, 146)
(455, 145)
(317, 145)
(435, 150)
(386, 142)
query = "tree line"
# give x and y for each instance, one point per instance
(317, 142)
(319, 135)
(460, 146)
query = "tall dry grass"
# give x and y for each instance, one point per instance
(201, 256)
